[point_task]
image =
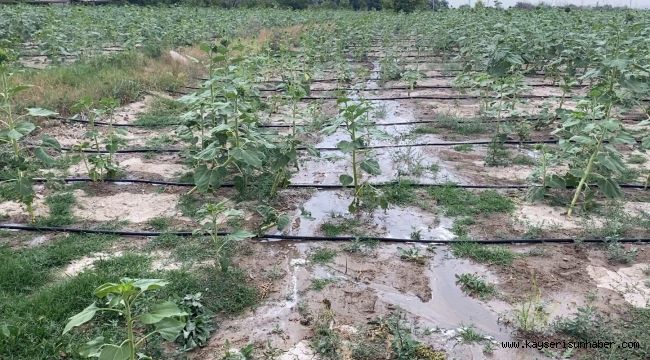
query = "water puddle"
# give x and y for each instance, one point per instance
(395, 222)
(449, 307)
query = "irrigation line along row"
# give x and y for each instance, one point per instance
(276, 237)
(387, 88)
(483, 142)
(287, 126)
(302, 148)
(318, 186)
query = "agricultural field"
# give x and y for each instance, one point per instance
(199, 183)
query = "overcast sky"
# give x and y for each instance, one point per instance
(645, 4)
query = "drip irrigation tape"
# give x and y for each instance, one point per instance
(23, 227)
(387, 88)
(287, 126)
(317, 186)
(484, 142)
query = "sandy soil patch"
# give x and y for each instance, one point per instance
(630, 282)
(134, 208)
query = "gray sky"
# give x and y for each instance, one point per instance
(644, 4)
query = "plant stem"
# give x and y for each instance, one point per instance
(129, 329)
(585, 176)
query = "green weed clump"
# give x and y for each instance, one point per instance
(461, 202)
(488, 254)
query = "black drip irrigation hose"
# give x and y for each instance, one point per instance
(302, 148)
(287, 126)
(317, 186)
(451, 143)
(388, 88)
(297, 238)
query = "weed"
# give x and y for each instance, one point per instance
(636, 159)
(326, 342)
(531, 316)
(475, 285)
(523, 159)
(400, 193)
(159, 223)
(412, 254)
(322, 255)
(320, 284)
(60, 213)
(469, 335)
(497, 255)
(360, 246)
(344, 226)
(461, 202)
(463, 147)
(617, 253)
(461, 126)
(460, 227)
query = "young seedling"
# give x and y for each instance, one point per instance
(125, 299)
(355, 118)
(215, 220)
(22, 163)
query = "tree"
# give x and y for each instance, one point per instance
(407, 5)
(440, 5)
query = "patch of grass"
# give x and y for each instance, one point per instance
(159, 141)
(426, 129)
(413, 255)
(461, 126)
(322, 255)
(617, 253)
(166, 241)
(345, 226)
(463, 147)
(159, 223)
(320, 284)
(462, 202)
(469, 335)
(488, 254)
(636, 159)
(475, 285)
(400, 193)
(587, 324)
(60, 213)
(125, 77)
(360, 246)
(163, 112)
(522, 159)
(460, 227)
(189, 204)
(22, 271)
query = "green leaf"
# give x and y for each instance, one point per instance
(585, 140)
(114, 352)
(346, 180)
(161, 311)
(104, 290)
(92, 348)
(240, 235)
(149, 284)
(609, 187)
(250, 157)
(611, 163)
(170, 328)
(50, 142)
(346, 146)
(81, 318)
(205, 177)
(371, 166)
(38, 112)
(44, 157)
